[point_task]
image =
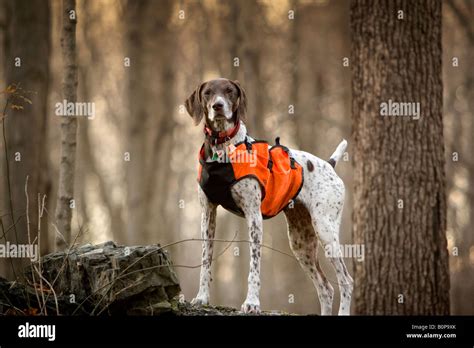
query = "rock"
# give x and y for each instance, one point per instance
(19, 299)
(111, 279)
(155, 309)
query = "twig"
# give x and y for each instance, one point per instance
(67, 252)
(41, 208)
(29, 242)
(7, 167)
(41, 204)
(52, 290)
(9, 304)
(8, 214)
(12, 226)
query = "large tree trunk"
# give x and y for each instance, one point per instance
(27, 42)
(399, 160)
(68, 126)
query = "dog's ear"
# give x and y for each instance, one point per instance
(241, 106)
(194, 105)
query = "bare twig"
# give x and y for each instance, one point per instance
(9, 304)
(63, 265)
(52, 290)
(12, 226)
(7, 167)
(41, 203)
(29, 241)
(38, 269)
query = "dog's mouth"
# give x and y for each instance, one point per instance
(219, 116)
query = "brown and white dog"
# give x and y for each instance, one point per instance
(315, 216)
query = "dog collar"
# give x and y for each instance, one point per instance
(221, 137)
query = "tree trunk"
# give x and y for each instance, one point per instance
(68, 126)
(400, 210)
(160, 156)
(148, 136)
(294, 45)
(137, 125)
(246, 47)
(27, 49)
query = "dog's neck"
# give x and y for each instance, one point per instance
(220, 124)
(210, 149)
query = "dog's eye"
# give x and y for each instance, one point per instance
(228, 90)
(207, 93)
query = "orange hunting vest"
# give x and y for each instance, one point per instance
(279, 175)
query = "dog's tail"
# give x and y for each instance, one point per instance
(336, 156)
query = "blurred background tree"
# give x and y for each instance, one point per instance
(26, 46)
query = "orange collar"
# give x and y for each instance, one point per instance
(221, 137)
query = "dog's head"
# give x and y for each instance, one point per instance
(219, 99)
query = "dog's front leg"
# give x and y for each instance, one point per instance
(252, 302)
(208, 227)
(247, 195)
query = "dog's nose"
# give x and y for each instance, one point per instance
(217, 106)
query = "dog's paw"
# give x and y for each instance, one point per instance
(251, 307)
(200, 301)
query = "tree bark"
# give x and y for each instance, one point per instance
(27, 38)
(65, 195)
(399, 160)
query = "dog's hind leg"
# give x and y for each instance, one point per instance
(304, 244)
(208, 228)
(328, 233)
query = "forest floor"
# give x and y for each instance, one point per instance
(103, 280)
(186, 309)
(18, 299)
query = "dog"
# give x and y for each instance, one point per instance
(313, 215)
